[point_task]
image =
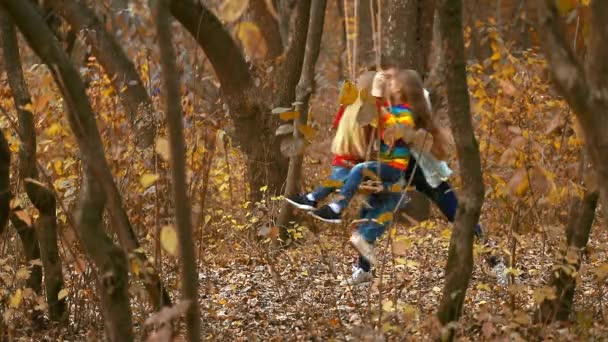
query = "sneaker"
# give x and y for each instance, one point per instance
(327, 214)
(300, 201)
(364, 248)
(358, 277)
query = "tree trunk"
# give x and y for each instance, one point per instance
(82, 122)
(460, 257)
(366, 55)
(586, 92)
(174, 117)
(5, 180)
(304, 90)
(109, 259)
(42, 198)
(578, 230)
(250, 105)
(400, 33)
(120, 70)
(269, 27)
(27, 234)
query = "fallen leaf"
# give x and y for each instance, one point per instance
(168, 239)
(348, 93)
(148, 179)
(62, 294)
(15, 299)
(289, 115)
(162, 148)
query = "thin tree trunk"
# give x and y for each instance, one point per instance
(586, 92)
(116, 64)
(174, 117)
(110, 260)
(82, 122)
(578, 230)
(5, 181)
(304, 90)
(460, 257)
(42, 198)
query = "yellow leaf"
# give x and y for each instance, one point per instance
(348, 93)
(495, 56)
(28, 107)
(62, 294)
(148, 179)
(387, 306)
(385, 217)
(332, 183)
(367, 173)
(54, 130)
(307, 131)
(207, 219)
(483, 287)
(231, 10)
(290, 115)
(16, 299)
(162, 148)
(23, 273)
(252, 39)
(135, 266)
(395, 187)
(168, 239)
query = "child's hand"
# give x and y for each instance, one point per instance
(379, 84)
(392, 133)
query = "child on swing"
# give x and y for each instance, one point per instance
(349, 146)
(397, 134)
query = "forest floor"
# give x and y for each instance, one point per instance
(296, 295)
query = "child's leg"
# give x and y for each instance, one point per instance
(338, 173)
(386, 173)
(443, 196)
(368, 232)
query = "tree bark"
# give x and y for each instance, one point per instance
(82, 122)
(578, 230)
(250, 105)
(399, 33)
(460, 257)
(5, 181)
(304, 89)
(42, 198)
(586, 92)
(120, 70)
(27, 234)
(174, 117)
(109, 259)
(269, 27)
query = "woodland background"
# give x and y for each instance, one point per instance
(72, 270)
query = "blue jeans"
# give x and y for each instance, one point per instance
(385, 172)
(338, 173)
(443, 195)
(379, 203)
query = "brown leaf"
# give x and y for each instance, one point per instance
(540, 183)
(508, 87)
(508, 157)
(519, 185)
(488, 329)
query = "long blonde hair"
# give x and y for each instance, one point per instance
(351, 138)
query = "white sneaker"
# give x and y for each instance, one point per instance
(365, 248)
(358, 277)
